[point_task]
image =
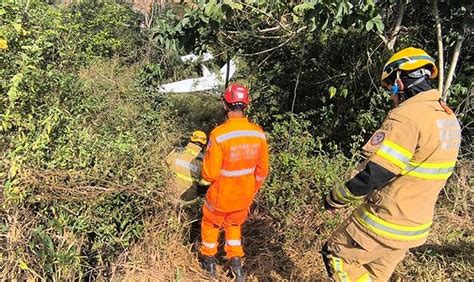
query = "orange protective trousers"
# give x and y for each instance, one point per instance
(231, 222)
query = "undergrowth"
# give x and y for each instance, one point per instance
(86, 195)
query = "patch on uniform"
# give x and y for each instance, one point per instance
(377, 138)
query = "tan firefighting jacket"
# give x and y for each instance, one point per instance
(418, 142)
(186, 165)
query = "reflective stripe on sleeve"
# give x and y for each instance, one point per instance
(240, 133)
(234, 242)
(395, 154)
(259, 178)
(187, 178)
(186, 164)
(389, 230)
(364, 278)
(343, 195)
(430, 170)
(240, 172)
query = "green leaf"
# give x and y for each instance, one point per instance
(332, 91)
(303, 7)
(344, 93)
(234, 5)
(210, 7)
(377, 20)
(23, 265)
(380, 26)
(17, 27)
(2, 11)
(369, 25)
(184, 21)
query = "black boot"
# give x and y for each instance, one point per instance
(236, 268)
(208, 264)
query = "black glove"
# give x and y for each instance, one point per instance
(202, 190)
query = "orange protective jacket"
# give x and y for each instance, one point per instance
(236, 164)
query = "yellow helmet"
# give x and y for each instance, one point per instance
(199, 136)
(409, 59)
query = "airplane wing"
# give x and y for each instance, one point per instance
(191, 85)
(207, 82)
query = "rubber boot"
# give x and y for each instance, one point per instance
(209, 264)
(236, 269)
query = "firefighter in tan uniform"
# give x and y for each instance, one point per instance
(186, 164)
(408, 161)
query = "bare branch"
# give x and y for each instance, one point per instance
(397, 27)
(294, 92)
(439, 36)
(278, 46)
(268, 15)
(331, 78)
(452, 68)
(383, 37)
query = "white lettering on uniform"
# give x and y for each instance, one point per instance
(449, 133)
(244, 152)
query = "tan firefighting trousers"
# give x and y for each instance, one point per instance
(352, 255)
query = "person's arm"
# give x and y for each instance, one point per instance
(262, 168)
(394, 144)
(171, 157)
(212, 163)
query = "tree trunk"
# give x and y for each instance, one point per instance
(452, 68)
(397, 26)
(439, 36)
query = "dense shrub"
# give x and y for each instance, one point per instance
(84, 133)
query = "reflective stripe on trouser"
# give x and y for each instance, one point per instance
(389, 230)
(352, 255)
(231, 222)
(233, 241)
(209, 236)
(337, 266)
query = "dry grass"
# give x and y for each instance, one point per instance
(276, 249)
(274, 253)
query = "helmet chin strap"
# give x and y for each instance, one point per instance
(395, 89)
(416, 82)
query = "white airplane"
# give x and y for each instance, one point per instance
(209, 80)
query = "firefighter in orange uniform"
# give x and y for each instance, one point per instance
(236, 164)
(408, 161)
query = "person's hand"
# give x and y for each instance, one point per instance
(202, 190)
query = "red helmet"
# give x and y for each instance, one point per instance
(237, 93)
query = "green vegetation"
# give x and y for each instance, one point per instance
(84, 132)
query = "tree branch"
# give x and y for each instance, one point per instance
(452, 68)
(279, 45)
(439, 36)
(294, 92)
(397, 27)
